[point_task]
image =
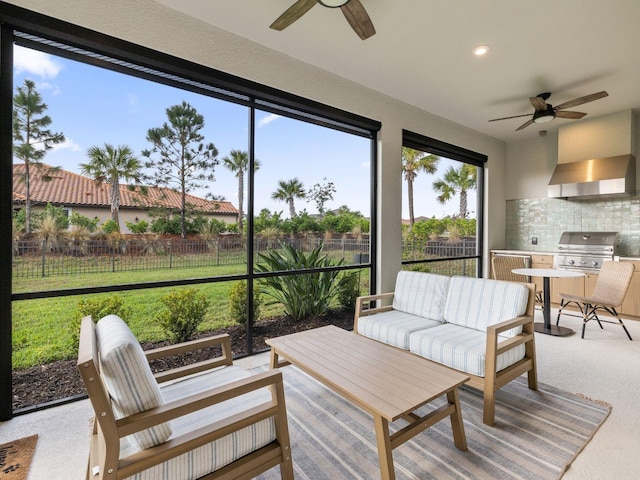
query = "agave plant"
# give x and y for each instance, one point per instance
(301, 294)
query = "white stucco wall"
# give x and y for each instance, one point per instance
(530, 165)
(152, 25)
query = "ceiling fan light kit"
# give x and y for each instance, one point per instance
(333, 3)
(353, 11)
(544, 117)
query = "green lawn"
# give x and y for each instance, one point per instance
(45, 330)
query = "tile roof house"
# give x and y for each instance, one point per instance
(81, 194)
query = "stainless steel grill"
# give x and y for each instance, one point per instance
(585, 251)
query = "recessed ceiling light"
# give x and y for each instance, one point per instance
(481, 50)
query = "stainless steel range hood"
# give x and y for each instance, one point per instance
(610, 177)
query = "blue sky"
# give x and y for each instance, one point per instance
(94, 106)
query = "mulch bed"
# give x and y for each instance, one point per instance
(58, 380)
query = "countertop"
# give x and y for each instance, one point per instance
(538, 252)
(521, 252)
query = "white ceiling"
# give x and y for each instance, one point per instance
(421, 53)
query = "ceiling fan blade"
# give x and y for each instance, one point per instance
(358, 18)
(293, 13)
(525, 125)
(507, 118)
(538, 103)
(573, 115)
(581, 100)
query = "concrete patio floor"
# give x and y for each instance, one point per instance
(604, 366)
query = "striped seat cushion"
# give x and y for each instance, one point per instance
(393, 327)
(221, 452)
(461, 348)
(421, 294)
(128, 378)
(478, 302)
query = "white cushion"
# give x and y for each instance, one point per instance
(221, 452)
(478, 302)
(393, 327)
(461, 348)
(129, 379)
(421, 294)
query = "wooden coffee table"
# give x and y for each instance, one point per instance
(385, 381)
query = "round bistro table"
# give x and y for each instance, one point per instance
(546, 274)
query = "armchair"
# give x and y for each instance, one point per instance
(211, 419)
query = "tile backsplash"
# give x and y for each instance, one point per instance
(547, 218)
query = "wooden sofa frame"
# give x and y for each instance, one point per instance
(107, 430)
(493, 380)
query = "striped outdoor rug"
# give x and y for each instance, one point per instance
(537, 435)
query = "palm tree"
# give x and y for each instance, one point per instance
(457, 181)
(238, 162)
(414, 162)
(288, 191)
(112, 165)
(32, 139)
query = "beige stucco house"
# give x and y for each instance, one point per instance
(77, 193)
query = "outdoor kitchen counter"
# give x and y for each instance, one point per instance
(521, 252)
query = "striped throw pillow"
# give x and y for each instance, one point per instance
(128, 378)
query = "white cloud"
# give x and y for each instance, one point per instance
(48, 86)
(365, 164)
(68, 144)
(34, 62)
(267, 120)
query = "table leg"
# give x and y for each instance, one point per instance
(546, 327)
(459, 437)
(385, 455)
(274, 358)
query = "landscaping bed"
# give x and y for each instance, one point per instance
(57, 380)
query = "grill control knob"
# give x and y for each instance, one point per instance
(571, 262)
(594, 264)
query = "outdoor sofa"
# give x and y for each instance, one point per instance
(478, 326)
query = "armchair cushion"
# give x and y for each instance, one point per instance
(461, 348)
(128, 378)
(420, 294)
(477, 303)
(221, 452)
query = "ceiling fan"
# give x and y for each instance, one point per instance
(353, 11)
(544, 112)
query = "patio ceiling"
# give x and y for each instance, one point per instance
(422, 52)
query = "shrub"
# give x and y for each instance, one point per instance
(140, 226)
(348, 290)
(238, 303)
(51, 236)
(110, 226)
(186, 309)
(82, 221)
(302, 294)
(97, 307)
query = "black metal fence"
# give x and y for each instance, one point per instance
(35, 258)
(44, 259)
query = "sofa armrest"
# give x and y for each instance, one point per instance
(367, 299)
(225, 358)
(495, 348)
(498, 328)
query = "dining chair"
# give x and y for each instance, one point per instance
(502, 266)
(608, 294)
